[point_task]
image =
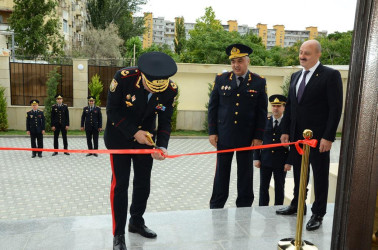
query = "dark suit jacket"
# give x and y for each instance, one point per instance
(91, 119)
(272, 157)
(60, 115)
(35, 122)
(320, 107)
(128, 111)
(237, 114)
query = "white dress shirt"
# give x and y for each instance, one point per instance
(308, 76)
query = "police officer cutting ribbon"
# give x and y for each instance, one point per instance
(137, 96)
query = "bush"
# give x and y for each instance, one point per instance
(52, 83)
(3, 110)
(174, 115)
(95, 88)
(205, 122)
(286, 86)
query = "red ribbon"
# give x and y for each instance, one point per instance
(310, 142)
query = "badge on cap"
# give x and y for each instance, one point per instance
(129, 104)
(128, 97)
(133, 98)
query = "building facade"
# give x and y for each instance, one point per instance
(161, 31)
(71, 14)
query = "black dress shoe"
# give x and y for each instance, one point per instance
(95, 155)
(40, 156)
(314, 223)
(119, 242)
(67, 153)
(88, 154)
(289, 210)
(33, 156)
(142, 230)
(55, 153)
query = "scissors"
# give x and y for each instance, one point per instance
(149, 138)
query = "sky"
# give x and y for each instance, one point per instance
(329, 15)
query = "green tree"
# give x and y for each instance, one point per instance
(95, 88)
(336, 48)
(119, 12)
(208, 41)
(129, 46)
(36, 28)
(3, 110)
(53, 79)
(102, 43)
(180, 35)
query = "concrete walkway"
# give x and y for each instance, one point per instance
(76, 185)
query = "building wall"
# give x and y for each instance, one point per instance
(313, 32)
(148, 34)
(263, 32)
(280, 35)
(232, 25)
(192, 79)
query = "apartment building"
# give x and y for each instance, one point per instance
(72, 15)
(161, 31)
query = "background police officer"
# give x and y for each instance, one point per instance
(91, 119)
(136, 97)
(272, 160)
(60, 122)
(236, 116)
(35, 127)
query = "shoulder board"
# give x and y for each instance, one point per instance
(64, 104)
(127, 72)
(262, 77)
(173, 85)
(54, 105)
(268, 117)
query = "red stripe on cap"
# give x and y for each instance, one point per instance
(112, 187)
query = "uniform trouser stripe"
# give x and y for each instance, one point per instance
(113, 185)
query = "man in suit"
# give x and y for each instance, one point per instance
(314, 102)
(91, 119)
(35, 127)
(236, 116)
(60, 122)
(136, 97)
(272, 160)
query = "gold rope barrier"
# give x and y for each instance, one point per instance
(298, 243)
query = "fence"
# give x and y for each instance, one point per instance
(105, 68)
(28, 80)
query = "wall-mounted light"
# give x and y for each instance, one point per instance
(80, 66)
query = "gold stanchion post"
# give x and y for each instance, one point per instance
(298, 243)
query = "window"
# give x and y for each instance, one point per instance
(65, 26)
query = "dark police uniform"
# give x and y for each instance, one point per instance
(237, 115)
(272, 159)
(91, 120)
(60, 119)
(35, 123)
(131, 108)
